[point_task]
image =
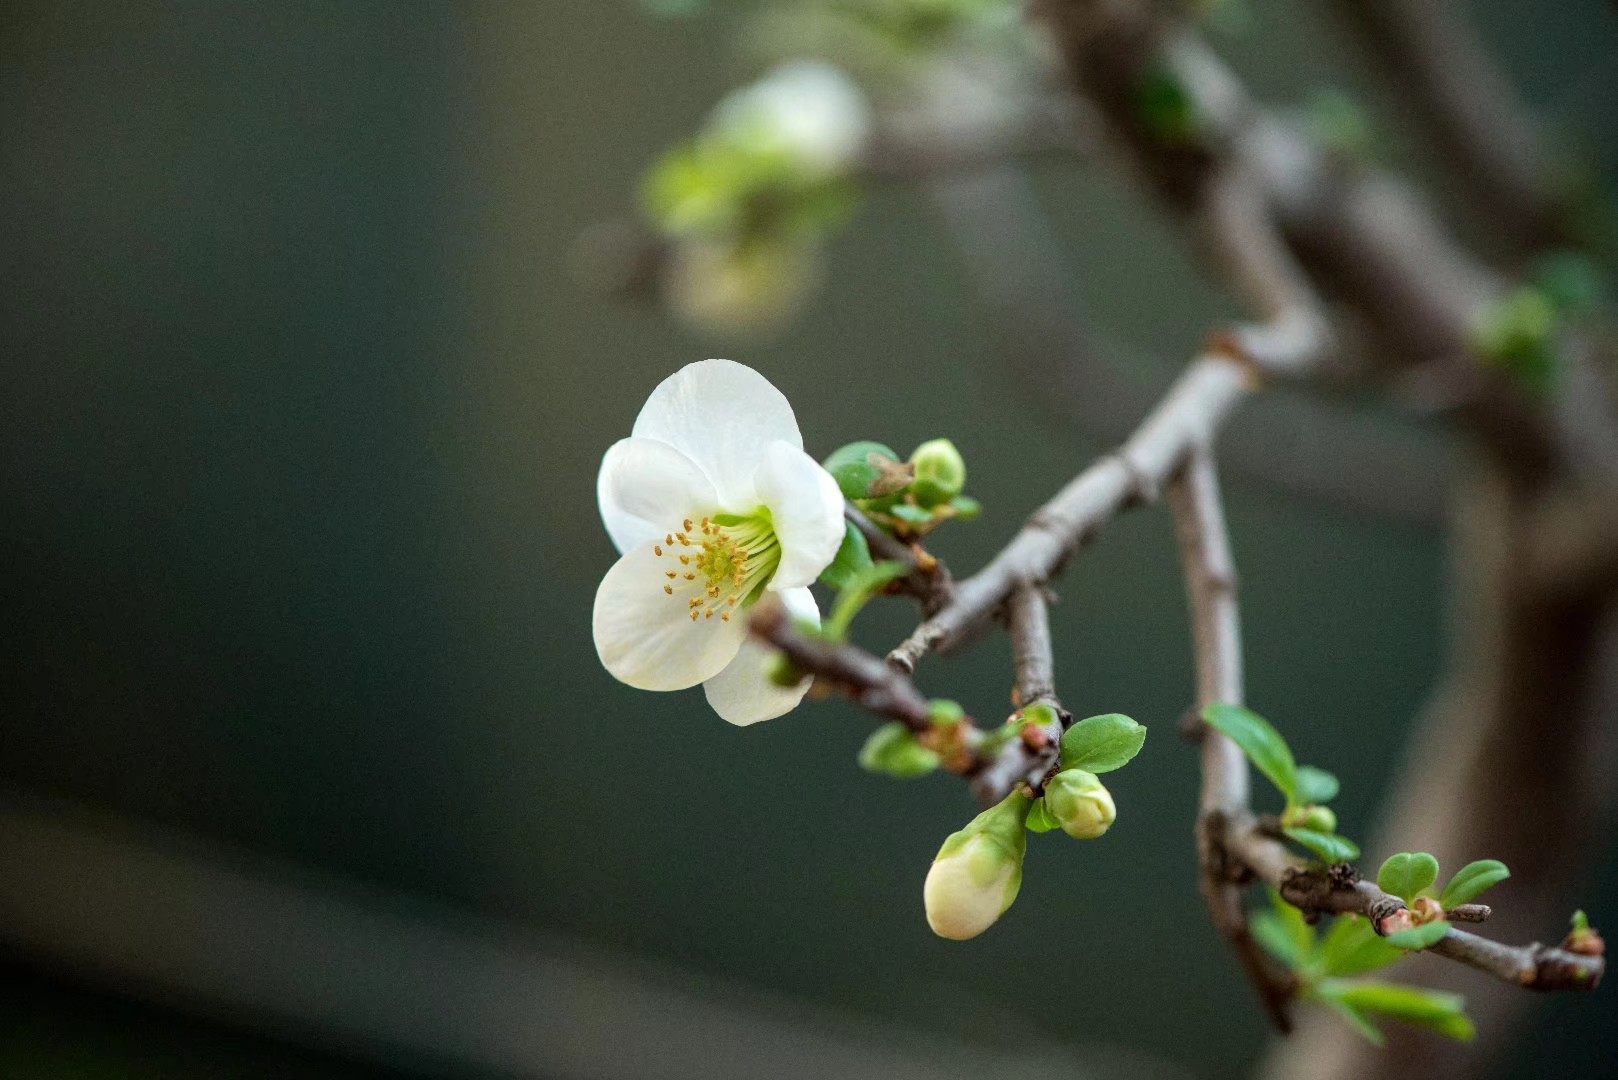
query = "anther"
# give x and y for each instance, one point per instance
(687, 524)
(669, 589)
(669, 539)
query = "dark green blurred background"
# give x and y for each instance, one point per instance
(301, 419)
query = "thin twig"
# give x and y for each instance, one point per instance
(1028, 621)
(1210, 581)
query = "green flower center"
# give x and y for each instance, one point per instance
(720, 563)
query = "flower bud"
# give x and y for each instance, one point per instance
(977, 872)
(891, 749)
(1080, 803)
(1317, 818)
(940, 472)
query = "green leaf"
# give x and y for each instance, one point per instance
(861, 585)
(915, 515)
(1315, 786)
(1431, 1009)
(1165, 108)
(1261, 743)
(893, 751)
(853, 558)
(1580, 922)
(1102, 743)
(1471, 879)
(851, 467)
(1419, 937)
(1327, 992)
(1352, 947)
(1406, 874)
(1283, 932)
(1039, 819)
(966, 508)
(1327, 847)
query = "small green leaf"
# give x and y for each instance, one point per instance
(853, 557)
(1327, 847)
(1471, 879)
(852, 468)
(1431, 1009)
(1352, 947)
(893, 751)
(1039, 819)
(1419, 937)
(1102, 743)
(1315, 786)
(966, 508)
(1406, 874)
(1261, 743)
(1581, 922)
(915, 515)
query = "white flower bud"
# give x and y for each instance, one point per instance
(940, 472)
(811, 111)
(978, 871)
(1080, 803)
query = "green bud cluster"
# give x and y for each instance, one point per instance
(978, 870)
(908, 498)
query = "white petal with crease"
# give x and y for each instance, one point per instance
(742, 693)
(646, 638)
(646, 488)
(807, 510)
(721, 415)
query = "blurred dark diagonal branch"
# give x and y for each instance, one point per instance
(1070, 373)
(1452, 95)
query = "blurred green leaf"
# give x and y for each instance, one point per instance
(853, 558)
(1315, 786)
(1571, 281)
(862, 584)
(1102, 743)
(1327, 847)
(966, 508)
(1431, 1009)
(1352, 947)
(1283, 932)
(1471, 880)
(1261, 743)
(1406, 874)
(893, 751)
(1165, 109)
(1419, 937)
(915, 515)
(1356, 1019)
(1518, 334)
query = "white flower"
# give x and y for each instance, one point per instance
(713, 504)
(807, 109)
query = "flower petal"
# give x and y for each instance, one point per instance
(646, 638)
(721, 415)
(743, 693)
(807, 510)
(646, 488)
